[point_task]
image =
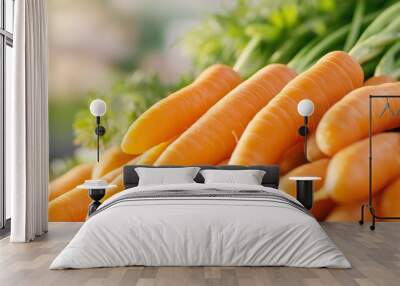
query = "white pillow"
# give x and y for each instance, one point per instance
(247, 177)
(163, 176)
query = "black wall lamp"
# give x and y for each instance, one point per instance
(98, 108)
(305, 108)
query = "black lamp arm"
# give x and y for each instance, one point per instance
(303, 131)
(305, 136)
(100, 131)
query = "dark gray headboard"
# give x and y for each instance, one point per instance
(271, 177)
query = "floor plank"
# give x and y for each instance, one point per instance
(375, 257)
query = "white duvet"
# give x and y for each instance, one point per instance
(200, 231)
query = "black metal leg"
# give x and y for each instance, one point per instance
(93, 207)
(372, 226)
(96, 195)
(361, 221)
(305, 193)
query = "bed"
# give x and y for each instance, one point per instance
(201, 224)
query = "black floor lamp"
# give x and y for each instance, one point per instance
(370, 205)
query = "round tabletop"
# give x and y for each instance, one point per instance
(96, 187)
(305, 178)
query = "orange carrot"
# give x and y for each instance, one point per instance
(177, 112)
(224, 162)
(317, 168)
(274, 128)
(145, 159)
(74, 177)
(313, 151)
(352, 212)
(322, 207)
(151, 155)
(347, 176)
(119, 183)
(390, 200)
(348, 120)
(214, 136)
(379, 79)
(292, 158)
(73, 205)
(112, 158)
(348, 213)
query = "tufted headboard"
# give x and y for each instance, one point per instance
(271, 177)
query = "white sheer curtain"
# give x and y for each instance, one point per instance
(27, 123)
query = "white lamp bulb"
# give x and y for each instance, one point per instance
(305, 107)
(98, 107)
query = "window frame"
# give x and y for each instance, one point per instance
(6, 39)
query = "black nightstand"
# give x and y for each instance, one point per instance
(96, 193)
(305, 190)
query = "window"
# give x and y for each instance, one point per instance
(6, 61)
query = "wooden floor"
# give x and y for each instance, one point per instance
(375, 257)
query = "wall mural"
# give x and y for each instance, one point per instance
(234, 99)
